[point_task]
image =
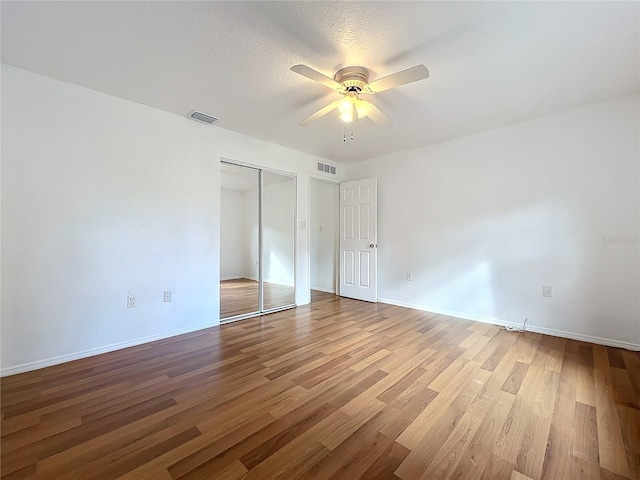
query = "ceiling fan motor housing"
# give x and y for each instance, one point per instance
(352, 78)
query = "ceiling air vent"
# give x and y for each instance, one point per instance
(201, 117)
(323, 167)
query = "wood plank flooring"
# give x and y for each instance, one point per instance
(339, 389)
(240, 296)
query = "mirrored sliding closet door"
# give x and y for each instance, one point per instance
(239, 247)
(278, 240)
(257, 241)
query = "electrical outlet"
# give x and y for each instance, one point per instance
(303, 225)
(131, 301)
(167, 296)
(409, 277)
(546, 291)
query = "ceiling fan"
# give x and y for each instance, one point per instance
(351, 82)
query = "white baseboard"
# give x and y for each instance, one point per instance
(233, 277)
(532, 328)
(322, 289)
(47, 362)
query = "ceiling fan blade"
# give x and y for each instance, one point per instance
(413, 74)
(317, 77)
(378, 117)
(320, 113)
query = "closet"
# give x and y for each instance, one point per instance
(257, 241)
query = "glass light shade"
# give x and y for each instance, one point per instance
(346, 117)
(363, 107)
(346, 106)
(346, 109)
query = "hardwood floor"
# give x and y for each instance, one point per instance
(338, 389)
(240, 296)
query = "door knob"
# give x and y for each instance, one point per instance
(371, 245)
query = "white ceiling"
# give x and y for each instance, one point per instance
(491, 63)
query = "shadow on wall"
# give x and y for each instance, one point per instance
(475, 268)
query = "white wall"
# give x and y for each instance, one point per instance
(232, 235)
(323, 223)
(483, 222)
(102, 198)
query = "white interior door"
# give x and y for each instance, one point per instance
(358, 239)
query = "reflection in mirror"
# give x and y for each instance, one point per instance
(278, 244)
(239, 285)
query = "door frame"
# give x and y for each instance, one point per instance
(336, 239)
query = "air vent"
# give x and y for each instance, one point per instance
(323, 167)
(201, 117)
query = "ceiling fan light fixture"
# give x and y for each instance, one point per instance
(352, 81)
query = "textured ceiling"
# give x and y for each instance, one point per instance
(491, 63)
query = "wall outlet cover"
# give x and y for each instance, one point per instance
(167, 296)
(131, 301)
(546, 291)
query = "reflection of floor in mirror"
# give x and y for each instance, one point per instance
(240, 296)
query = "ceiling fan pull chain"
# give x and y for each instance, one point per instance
(351, 131)
(344, 132)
